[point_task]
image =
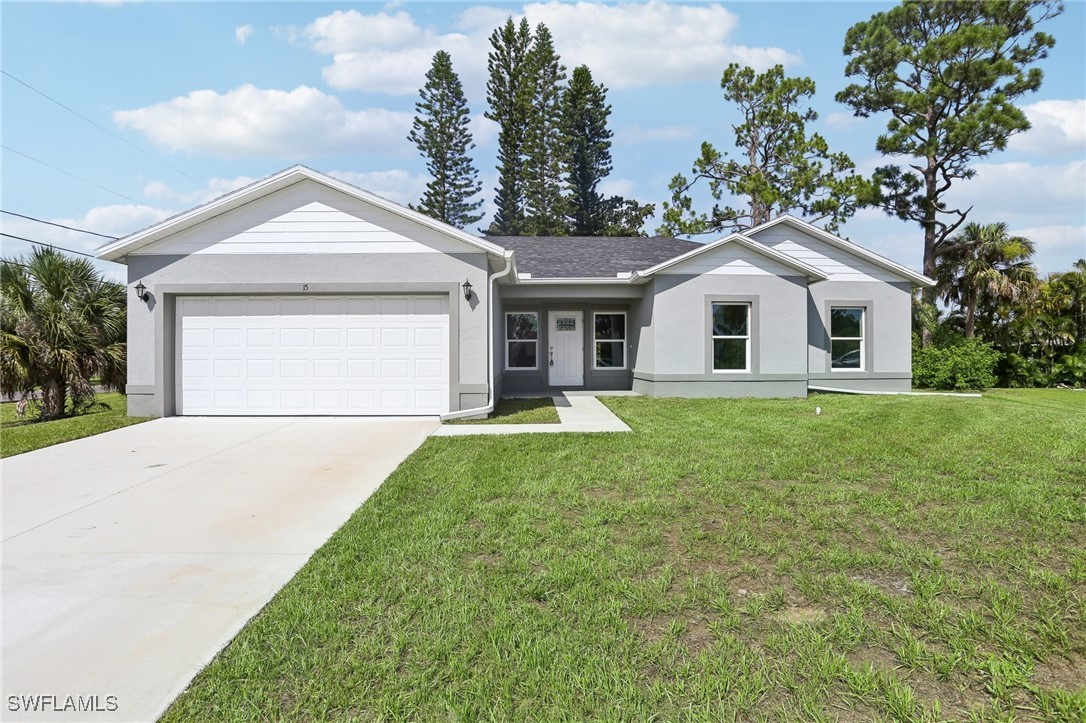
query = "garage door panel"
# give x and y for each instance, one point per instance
(227, 306)
(319, 355)
(293, 307)
(395, 305)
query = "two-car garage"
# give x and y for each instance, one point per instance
(312, 355)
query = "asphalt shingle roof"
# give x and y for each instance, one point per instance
(564, 257)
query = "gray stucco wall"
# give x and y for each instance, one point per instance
(151, 373)
(680, 361)
(887, 334)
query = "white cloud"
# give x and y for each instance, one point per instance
(395, 185)
(249, 121)
(215, 187)
(346, 32)
(654, 43)
(114, 220)
(243, 33)
(483, 130)
(843, 121)
(1041, 202)
(636, 134)
(627, 45)
(1057, 246)
(1059, 126)
(617, 187)
(1018, 191)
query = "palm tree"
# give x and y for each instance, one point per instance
(61, 325)
(1068, 300)
(984, 268)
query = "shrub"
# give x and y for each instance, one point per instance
(966, 364)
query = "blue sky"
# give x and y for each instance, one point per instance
(229, 92)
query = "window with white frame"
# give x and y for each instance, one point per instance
(847, 337)
(731, 337)
(521, 340)
(610, 340)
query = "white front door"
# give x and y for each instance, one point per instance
(566, 349)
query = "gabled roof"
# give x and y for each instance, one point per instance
(117, 250)
(740, 240)
(568, 257)
(847, 246)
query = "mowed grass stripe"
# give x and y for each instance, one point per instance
(891, 558)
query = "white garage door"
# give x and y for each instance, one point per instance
(290, 355)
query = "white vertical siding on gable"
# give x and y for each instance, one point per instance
(306, 218)
(836, 263)
(732, 259)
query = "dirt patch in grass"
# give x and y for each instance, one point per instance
(1061, 673)
(695, 636)
(874, 655)
(608, 494)
(800, 615)
(897, 586)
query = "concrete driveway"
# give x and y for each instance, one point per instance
(130, 558)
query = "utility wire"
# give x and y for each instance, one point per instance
(66, 173)
(103, 128)
(59, 225)
(42, 243)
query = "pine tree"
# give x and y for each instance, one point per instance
(509, 92)
(584, 114)
(441, 133)
(544, 144)
(779, 168)
(946, 75)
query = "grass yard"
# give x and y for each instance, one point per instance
(899, 559)
(528, 410)
(18, 436)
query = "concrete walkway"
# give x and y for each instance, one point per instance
(131, 557)
(577, 412)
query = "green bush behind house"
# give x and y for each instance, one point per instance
(966, 364)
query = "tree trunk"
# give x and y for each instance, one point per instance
(53, 399)
(931, 197)
(970, 318)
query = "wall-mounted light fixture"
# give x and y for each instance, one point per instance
(467, 289)
(141, 292)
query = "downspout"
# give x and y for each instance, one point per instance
(489, 340)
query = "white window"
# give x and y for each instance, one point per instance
(731, 337)
(521, 340)
(610, 340)
(847, 338)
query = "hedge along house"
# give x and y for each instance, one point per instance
(303, 295)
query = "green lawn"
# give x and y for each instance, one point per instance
(18, 436)
(534, 410)
(894, 558)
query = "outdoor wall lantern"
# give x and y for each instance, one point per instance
(467, 289)
(141, 292)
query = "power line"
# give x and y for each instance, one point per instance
(103, 128)
(52, 246)
(59, 225)
(66, 173)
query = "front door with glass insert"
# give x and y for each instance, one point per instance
(566, 349)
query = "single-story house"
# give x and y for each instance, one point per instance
(303, 295)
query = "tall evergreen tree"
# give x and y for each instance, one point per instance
(947, 75)
(441, 133)
(544, 145)
(779, 167)
(584, 114)
(509, 91)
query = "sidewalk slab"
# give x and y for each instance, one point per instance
(576, 412)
